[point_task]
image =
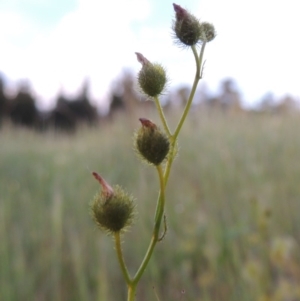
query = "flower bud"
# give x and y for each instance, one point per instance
(208, 32)
(152, 77)
(186, 26)
(152, 144)
(112, 209)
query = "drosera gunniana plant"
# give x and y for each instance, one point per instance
(113, 208)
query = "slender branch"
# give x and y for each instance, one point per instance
(192, 94)
(186, 110)
(131, 292)
(145, 261)
(160, 203)
(121, 258)
(158, 217)
(170, 161)
(162, 116)
(165, 229)
(201, 58)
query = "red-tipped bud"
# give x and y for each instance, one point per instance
(181, 13)
(107, 191)
(141, 59)
(186, 26)
(147, 123)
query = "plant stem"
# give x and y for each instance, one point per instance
(131, 292)
(173, 137)
(192, 94)
(160, 202)
(163, 179)
(121, 258)
(170, 161)
(162, 116)
(158, 217)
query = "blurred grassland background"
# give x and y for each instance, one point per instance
(233, 212)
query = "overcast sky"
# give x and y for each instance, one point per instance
(56, 44)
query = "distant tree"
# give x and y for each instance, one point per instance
(267, 103)
(22, 109)
(230, 98)
(183, 94)
(70, 112)
(287, 104)
(178, 98)
(3, 101)
(126, 98)
(62, 118)
(214, 103)
(117, 103)
(81, 106)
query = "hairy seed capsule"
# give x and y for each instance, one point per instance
(186, 26)
(112, 209)
(208, 32)
(152, 77)
(152, 144)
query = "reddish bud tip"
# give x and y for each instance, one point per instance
(147, 123)
(181, 13)
(141, 59)
(106, 188)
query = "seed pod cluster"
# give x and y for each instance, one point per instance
(189, 30)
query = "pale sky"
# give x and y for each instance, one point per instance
(56, 44)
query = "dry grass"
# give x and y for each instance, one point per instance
(233, 206)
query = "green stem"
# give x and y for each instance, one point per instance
(186, 109)
(155, 236)
(131, 292)
(162, 116)
(170, 161)
(163, 179)
(192, 94)
(121, 258)
(160, 202)
(185, 112)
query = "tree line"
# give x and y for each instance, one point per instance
(69, 113)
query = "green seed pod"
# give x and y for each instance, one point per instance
(152, 77)
(112, 209)
(152, 144)
(208, 32)
(186, 26)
